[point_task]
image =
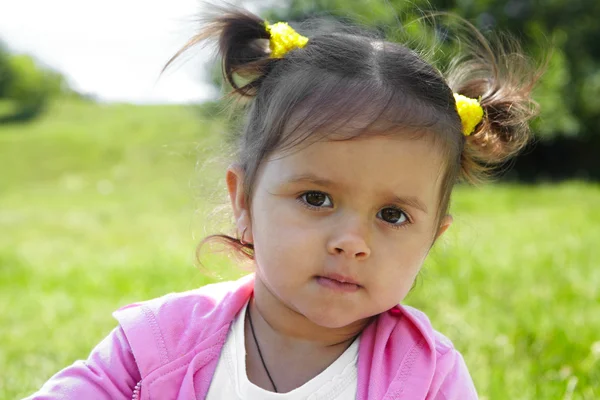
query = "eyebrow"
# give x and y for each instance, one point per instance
(412, 201)
(310, 178)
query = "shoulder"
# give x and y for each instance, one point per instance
(409, 359)
(165, 328)
(193, 303)
(451, 378)
(440, 343)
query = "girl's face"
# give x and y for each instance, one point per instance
(341, 228)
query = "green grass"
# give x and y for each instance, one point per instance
(104, 205)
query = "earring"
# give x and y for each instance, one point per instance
(242, 238)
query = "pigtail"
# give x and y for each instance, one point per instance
(502, 78)
(243, 47)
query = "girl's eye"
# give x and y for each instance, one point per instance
(316, 199)
(392, 216)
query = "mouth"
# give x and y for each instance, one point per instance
(338, 283)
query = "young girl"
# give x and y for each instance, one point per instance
(342, 184)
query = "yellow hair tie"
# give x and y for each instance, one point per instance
(470, 112)
(283, 39)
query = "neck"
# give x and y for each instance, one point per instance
(278, 321)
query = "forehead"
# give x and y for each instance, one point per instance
(401, 165)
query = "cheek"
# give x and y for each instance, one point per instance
(273, 226)
(401, 263)
(281, 235)
(394, 286)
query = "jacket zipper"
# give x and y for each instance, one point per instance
(137, 391)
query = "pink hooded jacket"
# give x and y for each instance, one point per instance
(168, 348)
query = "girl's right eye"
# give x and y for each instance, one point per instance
(316, 199)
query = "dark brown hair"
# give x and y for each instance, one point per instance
(352, 83)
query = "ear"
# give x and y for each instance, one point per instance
(237, 195)
(444, 225)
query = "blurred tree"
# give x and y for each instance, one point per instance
(569, 93)
(5, 71)
(25, 87)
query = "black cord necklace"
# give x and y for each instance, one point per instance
(258, 348)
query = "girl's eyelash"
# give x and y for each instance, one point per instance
(408, 222)
(305, 204)
(300, 199)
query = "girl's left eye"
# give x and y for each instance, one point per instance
(316, 199)
(392, 216)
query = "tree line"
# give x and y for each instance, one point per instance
(567, 31)
(26, 86)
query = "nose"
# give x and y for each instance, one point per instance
(350, 241)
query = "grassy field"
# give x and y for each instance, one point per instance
(102, 205)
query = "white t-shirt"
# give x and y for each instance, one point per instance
(230, 380)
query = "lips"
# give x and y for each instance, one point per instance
(341, 278)
(338, 283)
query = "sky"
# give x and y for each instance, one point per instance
(112, 49)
